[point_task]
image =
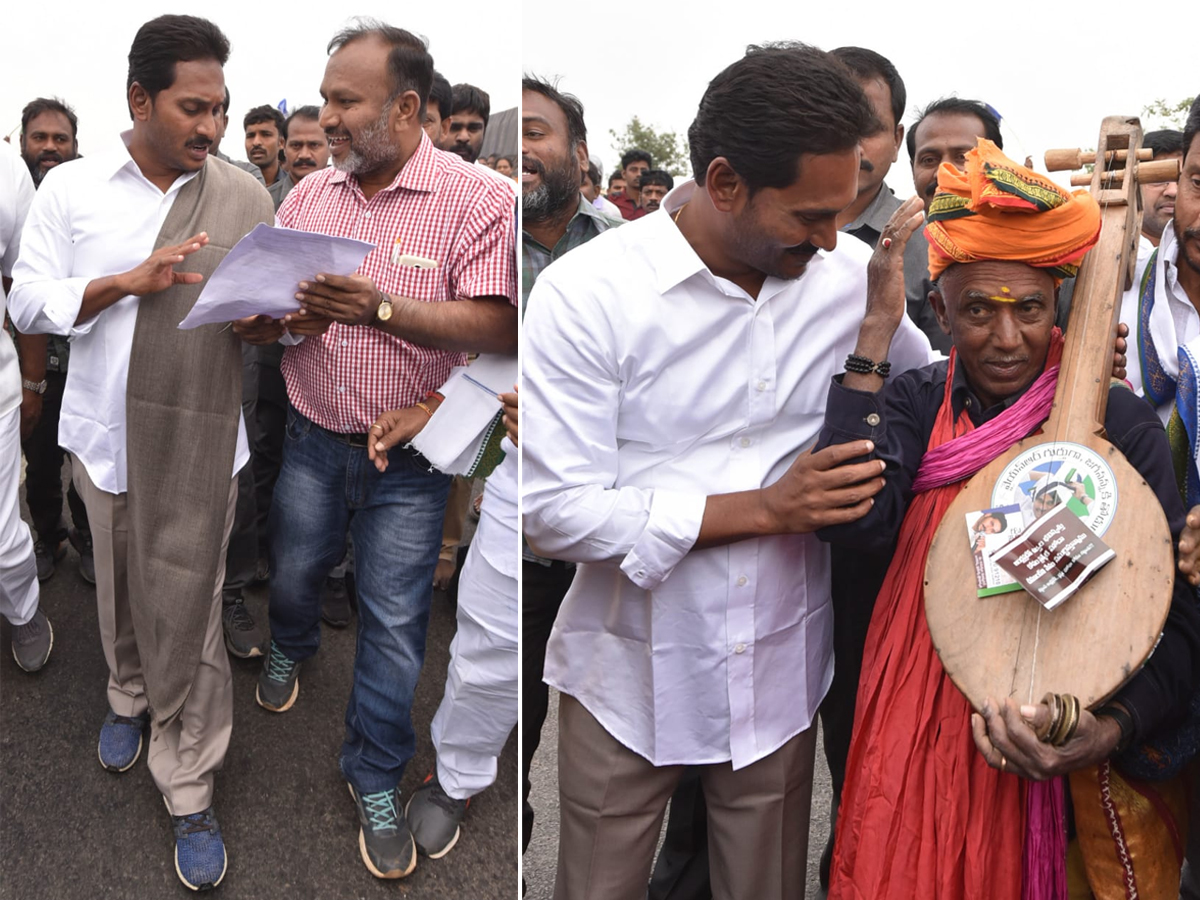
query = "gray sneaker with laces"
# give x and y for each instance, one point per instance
(434, 817)
(278, 682)
(32, 641)
(243, 637)
(384, 841)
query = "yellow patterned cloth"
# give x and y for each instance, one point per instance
(998, 209)
(1131, 834)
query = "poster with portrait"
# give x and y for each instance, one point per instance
(987, 531)
(1048, 476)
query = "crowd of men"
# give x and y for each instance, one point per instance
(699, 585)
(276, 450)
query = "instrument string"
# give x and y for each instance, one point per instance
(1106, 181)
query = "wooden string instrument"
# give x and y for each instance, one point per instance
(1009, 645)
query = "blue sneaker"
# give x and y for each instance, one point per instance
(121, 740)
(200, 859)
(384, 841)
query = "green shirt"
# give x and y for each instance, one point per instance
(584, 225)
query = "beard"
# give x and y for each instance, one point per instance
(371, 148)
(35, 164)
(1184, 237)
(559, 188)
(751, 246)
(464, 150)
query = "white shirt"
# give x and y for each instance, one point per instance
(649, 384)
(498, 532)
(16, 194)
(1173, 322)
(97, 217)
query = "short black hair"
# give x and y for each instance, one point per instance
(866, 65)
(1192, 127)
(35, 108)
(409, 63)
(309, 113)
(1164, 141)
(635, 155)
(1000, 518)
(265, 114)
(775, 104)
(441, 93)
(593, 173)
(953, 106)
(657, 176)
(570, 105)
(167, 40)
(467, 97)
(616, 176)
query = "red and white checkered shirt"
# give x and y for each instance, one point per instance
(440, 208)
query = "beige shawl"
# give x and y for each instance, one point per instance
(182, 405)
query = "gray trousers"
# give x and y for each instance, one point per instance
(185, 753)
(612, 801)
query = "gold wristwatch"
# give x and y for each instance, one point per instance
(384, 312)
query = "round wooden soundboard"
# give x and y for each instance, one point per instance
(1009, 645)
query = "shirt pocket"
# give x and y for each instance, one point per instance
(426, 285)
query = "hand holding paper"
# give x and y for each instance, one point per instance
(258, 277)
(350, 299)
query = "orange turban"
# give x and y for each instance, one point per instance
(1000, 210)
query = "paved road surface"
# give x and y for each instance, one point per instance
(69, 830)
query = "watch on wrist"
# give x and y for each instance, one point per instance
(36, 387)
(384, 312)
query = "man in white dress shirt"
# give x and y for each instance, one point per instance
(675, 370)
(151, 414)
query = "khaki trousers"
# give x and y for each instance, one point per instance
(185, 753)
(612, 801)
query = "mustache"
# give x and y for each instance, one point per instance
(304, 161)
(1191, 234)
(533, 165)
(808, 249)
(463, 150)
(865, 165)
(199, 142)
(48, 155)
(932, 189)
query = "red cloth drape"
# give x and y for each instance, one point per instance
(922, 815)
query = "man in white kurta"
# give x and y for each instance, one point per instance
(32, 635)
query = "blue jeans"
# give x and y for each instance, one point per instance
(325, 487)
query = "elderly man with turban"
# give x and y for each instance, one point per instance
(939, 802)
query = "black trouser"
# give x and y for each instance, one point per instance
(264, 408)
(542, 592)
(681, 870)
(856, 580)
(43, 472)
(266, 447)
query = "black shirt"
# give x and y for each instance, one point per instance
(907, 408)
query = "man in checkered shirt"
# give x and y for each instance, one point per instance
(441, 281)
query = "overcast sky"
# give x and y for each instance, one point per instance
(1037, 64)
(79, 51)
